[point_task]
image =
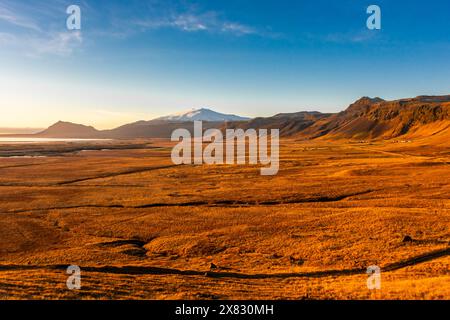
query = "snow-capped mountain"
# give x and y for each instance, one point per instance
(202, 114)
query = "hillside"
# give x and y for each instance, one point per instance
(154, 129)
(288, 123)
(379, 119)
(69, 130)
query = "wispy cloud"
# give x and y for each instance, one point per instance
(6, 38)
(16, 19)
(32, 28)
(61, 44)
(354, 37)
(198, 22)
(238, 29)
(190, 22)
(31, 37)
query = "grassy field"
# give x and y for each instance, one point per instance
(141, 228)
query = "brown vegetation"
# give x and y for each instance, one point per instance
(142, 228)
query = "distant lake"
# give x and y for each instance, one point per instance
(41, 140)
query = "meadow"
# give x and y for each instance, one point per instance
(141, 227)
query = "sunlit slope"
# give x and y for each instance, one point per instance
(379, 119)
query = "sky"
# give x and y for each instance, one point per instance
(140, 59)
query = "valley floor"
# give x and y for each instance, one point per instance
(141, 228)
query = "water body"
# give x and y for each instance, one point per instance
(43, 140)
(23, 157)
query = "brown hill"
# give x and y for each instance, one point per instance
(288, 123)
(379, 119)
(154, 129)
(63, 129)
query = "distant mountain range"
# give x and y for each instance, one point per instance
(157, 128)
(367, 118)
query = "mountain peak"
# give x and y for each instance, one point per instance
(202, 114)
(362, 105)
(62, 129)
(368, 100)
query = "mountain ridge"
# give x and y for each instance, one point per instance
(380, 119)
(366, 118)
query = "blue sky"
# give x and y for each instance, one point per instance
(140, 59)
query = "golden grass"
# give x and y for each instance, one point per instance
(333, 208)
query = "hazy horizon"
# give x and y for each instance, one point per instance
(147, 59)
